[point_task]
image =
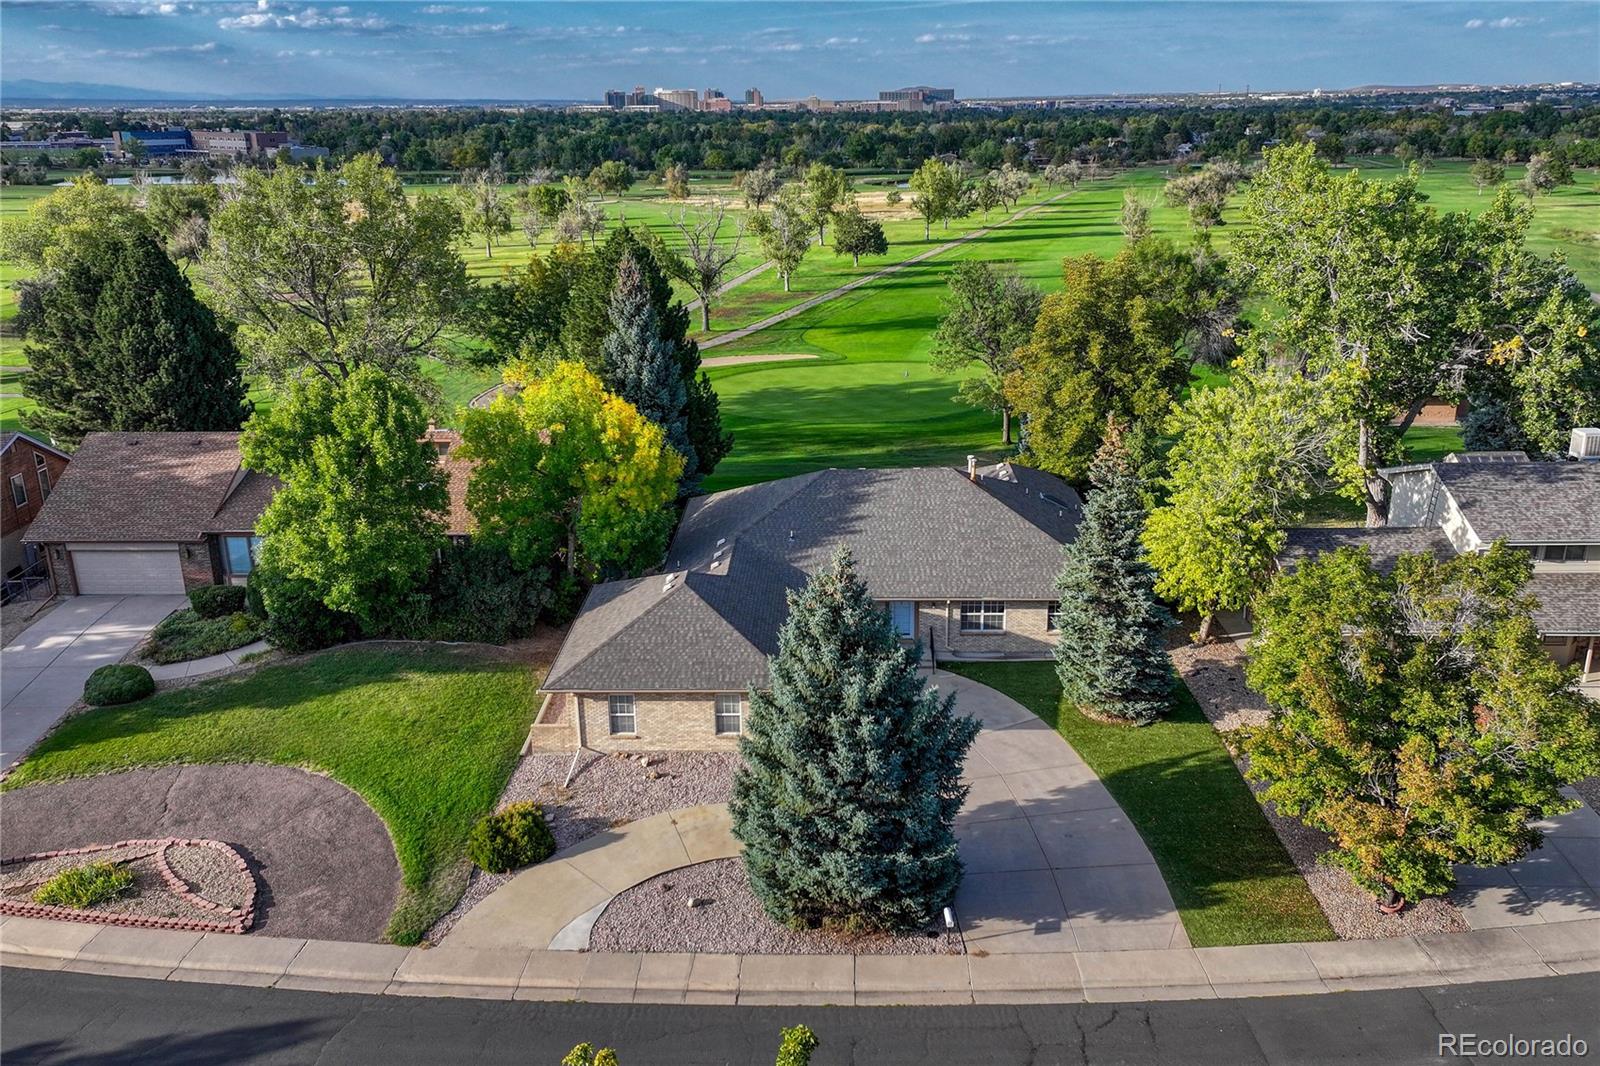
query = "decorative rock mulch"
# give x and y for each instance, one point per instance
(1214, 673)
(709, 907)
(198, 885)
(605, 791)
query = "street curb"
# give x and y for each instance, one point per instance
(1541, 950)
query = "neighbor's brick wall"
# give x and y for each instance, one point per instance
(1024, 635)
(198, 564)
(55, 556)
(666, 722)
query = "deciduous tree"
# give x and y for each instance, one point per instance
(856, 235)
(989, 313)
(1486, 174)
(786, 231)
(851, 776)
(708, 253)
(760, 185)
(484, 210)
(338, 272)
(566, 469)
(935, 190)
(359, 514)
(1416, 719)
(826, 190)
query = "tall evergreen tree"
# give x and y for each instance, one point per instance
(851, 779)
(587, 322)
(643, 369)
(1109, 652)
(121, 343)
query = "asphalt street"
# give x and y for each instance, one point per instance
(50, 1017)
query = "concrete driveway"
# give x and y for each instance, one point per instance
(1052, 862)
(42, 672)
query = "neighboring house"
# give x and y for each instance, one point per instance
(152, 513)
(30, 468)
(965, 563)
(1469, 501)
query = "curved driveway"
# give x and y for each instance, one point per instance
(324, 860)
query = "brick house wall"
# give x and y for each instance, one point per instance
(22, 460)
(665, 722)
(1026, 633)
(197, 561)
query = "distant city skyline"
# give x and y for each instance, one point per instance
(469, 50)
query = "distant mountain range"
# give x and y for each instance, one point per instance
(33, 92)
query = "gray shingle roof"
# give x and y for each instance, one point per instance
(921, 533)
(1569, 603)
(1527, 502)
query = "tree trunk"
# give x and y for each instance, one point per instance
(488, 248)
(705, 315)
(572, 550)
(927, 227)
(785, 282)
(1005, 425)
(856, 258)
(1204, 633)
(1371, 485)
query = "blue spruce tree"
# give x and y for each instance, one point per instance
(1111, 653)
(851, 779)
(642, 368)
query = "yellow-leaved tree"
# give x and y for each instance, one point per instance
(566, 469)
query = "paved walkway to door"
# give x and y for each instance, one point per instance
(1052, 863)
(42, 672)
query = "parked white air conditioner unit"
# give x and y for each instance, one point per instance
(1585, 444)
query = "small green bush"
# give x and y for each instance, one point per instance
(296, 620)
(117, 683)
(185, 635)
(510, 838)
(86, 885)
(798, 1044)
(217, 601)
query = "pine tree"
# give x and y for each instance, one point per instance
(1110, 652)
(643, 369)
(850, 785)
(123, 344)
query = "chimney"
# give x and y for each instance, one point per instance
(972, 467)
(1585, 444)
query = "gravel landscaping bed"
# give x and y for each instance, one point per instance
(606, 790)
(1215, 674)
(657, 915)
(210, 874)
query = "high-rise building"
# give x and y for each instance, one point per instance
(616, 98)
(685, 99)
(754, 98)
(639, 97)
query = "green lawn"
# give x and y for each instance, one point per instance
(1231, 879)
(427, 735)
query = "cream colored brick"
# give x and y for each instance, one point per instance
(1025, 634)
(665, 722)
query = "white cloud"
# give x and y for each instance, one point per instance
(834, 42)
(943, 38)
(268, 16)
(156, 50)
(452, 9)
(1509, 22)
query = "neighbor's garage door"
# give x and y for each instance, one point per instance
(146, 570)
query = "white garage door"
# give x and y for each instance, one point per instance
(124, 573)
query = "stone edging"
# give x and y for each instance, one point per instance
(238, 920)
(1539, 950)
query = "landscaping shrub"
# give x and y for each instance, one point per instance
(513, 837)
(297, 621)
(117, 683)
(798, 1044)
(217, 601)
(86, 885)
(185, 635)
(477, 593)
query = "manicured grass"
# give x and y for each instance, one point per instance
(428, 736)
(1231, 879)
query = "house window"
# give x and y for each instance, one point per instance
(729, 710)
(44, 481)
(19, 490)
(1052, 617)
(623, 718)
(903, 613)
(983, 616)
(239, 555)
(1564, 553)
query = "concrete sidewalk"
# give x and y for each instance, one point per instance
(845, 980)
(210, 664)
(42, 672)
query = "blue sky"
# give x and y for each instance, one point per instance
(528, 50)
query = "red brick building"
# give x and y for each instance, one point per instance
(30, 468)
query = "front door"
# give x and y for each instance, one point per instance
(904, 615)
